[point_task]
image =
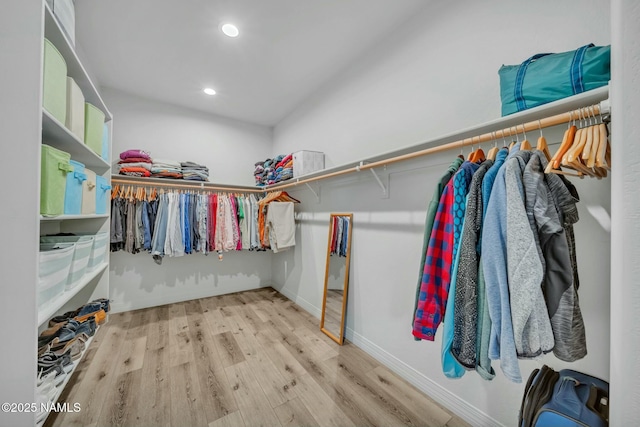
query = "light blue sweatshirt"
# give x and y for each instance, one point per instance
(494, 264)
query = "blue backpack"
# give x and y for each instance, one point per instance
(564, 399)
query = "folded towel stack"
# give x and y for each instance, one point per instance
(135, 163)
(164, 168)
(194, 172)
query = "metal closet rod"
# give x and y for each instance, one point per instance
(555, 120)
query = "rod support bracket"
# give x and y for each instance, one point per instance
(385, 189)
(315, 193)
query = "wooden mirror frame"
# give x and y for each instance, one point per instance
(339, 339)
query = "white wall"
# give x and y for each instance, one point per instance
(229, 149)
(625, 251)
(436, 75)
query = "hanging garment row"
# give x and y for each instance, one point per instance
(340, 231)
(177, 223)
(499, 266)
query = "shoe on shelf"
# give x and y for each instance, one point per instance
(44, 397)
(74, 347)
(53, 330)
(62, 318)
(74, 328)
(104, 302)
(50, 359)
(99, 314)
(44, 348)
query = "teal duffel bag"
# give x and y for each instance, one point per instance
(547, 77)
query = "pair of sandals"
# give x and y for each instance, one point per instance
(65, 332)
(97, 308)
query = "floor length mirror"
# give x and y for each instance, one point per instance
(336, 278)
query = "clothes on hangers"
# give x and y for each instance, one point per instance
(499, 267)
(282, 231)
(461, 180)
(431, 214)
(181, 223)
(465, 321)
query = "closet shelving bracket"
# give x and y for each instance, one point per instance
(385, 188)
(315, 192)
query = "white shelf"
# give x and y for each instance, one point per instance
(564, 105)
(68, 376)
(57, 135)
(196, 185)
(54, 33)
(52, 307)
(71, 217)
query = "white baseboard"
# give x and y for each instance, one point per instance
(312, 309)
(449, 400)
(118, 306)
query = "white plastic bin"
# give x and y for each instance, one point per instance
(80, 261)
(305, 162)
(53, 271)
(99, 250)
(65, 13)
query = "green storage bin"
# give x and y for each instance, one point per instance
(93, 127)
(55, 165)
(54, 90)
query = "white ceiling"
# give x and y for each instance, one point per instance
(170, 50)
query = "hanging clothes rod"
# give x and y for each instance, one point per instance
(533, 125)
(151, 182)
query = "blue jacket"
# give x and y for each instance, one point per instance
(494, 264)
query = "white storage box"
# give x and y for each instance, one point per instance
(305, 162)
(53, 270)
(89, 193)
(65, 13)
(75, 109)
(99, 250)
(80, 261)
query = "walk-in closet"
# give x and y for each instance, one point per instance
(297, 213)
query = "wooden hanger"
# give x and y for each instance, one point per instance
(595, 136)
(526, 145)
(478, 156)
(603, 156)
(114, 191)
(491, 155)
(542, 146)
(554, 164)
(590, 159)
(567, 140)
(573, 160)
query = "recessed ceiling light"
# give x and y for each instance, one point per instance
(230, 30)
(209, 91)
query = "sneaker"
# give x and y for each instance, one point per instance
(104, 302)
(63, 318)
(92, 309)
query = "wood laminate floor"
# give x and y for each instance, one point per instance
(248, 359)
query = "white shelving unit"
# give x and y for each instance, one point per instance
(55, 133)
(95, 283)
(71, 217)
(54, 306)
(68, 375)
